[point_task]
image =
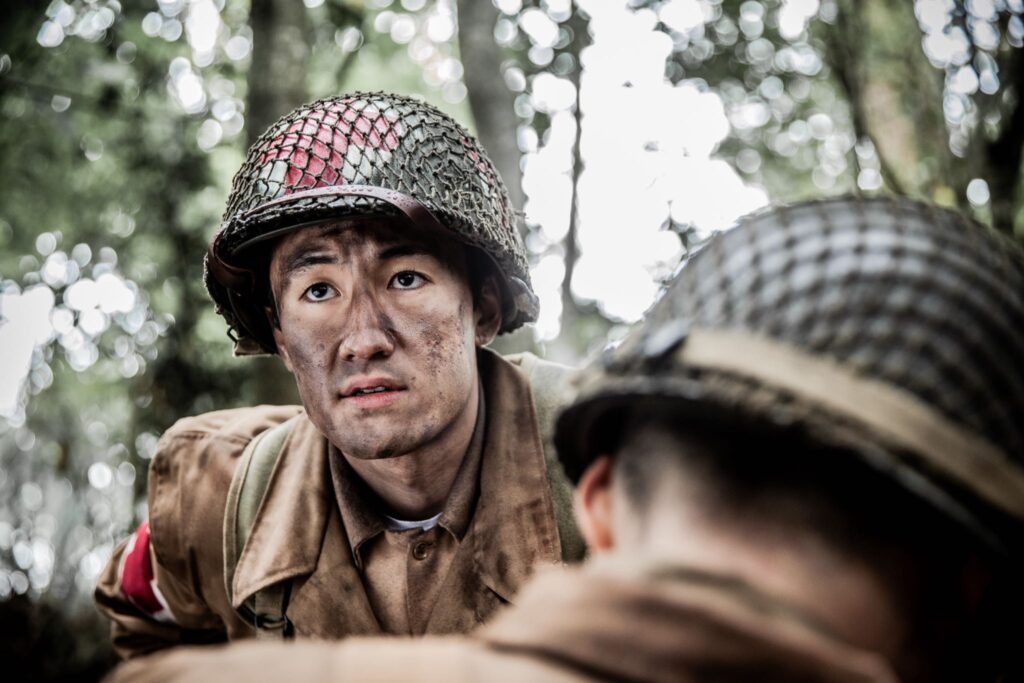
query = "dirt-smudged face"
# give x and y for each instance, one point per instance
(378, 325)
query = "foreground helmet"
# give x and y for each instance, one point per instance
(888, 328)
(360, 154)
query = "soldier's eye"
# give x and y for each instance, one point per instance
(318, 292)
(407, 279)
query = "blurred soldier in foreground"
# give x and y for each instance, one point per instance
(806, 465)
(370, 243)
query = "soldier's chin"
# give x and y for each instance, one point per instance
(385, 454)
(375, 450)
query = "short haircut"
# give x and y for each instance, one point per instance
(766, 476)
(479, 269)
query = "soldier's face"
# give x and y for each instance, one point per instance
(378, 325)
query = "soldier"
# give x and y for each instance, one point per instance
(807, 464)
(370, 243)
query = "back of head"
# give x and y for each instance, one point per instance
(888, 327)
(846, 369)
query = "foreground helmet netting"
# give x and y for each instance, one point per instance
(894, 293)
(298, 170)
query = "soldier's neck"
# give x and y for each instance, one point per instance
(851, 599)
(416, 485)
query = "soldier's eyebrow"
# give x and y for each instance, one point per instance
(405, 249)
(305, 260)
(308, 255)
(299, 259)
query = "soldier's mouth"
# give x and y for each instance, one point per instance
(372, 399)
(372, 392)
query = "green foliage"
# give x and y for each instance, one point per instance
(120, 137)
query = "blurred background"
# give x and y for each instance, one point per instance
(626, 130)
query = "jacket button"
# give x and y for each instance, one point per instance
(421, 550)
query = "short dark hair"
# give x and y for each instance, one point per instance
(479, 269)
(765, 474)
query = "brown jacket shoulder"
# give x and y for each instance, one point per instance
(188, 483)
(190, 475)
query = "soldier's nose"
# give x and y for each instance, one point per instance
(368, 334)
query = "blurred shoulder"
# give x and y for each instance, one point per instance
(237, 424)
(550, 383)
(531, 364)
(446, 659)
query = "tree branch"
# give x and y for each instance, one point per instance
(570, 309)
(842, 52)
(1004, 154)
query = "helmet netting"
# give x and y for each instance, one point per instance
(382, 140)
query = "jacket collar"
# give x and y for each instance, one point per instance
(513, 526)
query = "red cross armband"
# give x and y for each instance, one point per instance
(137, 581)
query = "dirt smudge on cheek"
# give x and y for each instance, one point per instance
(433, 340)
(310, 358)
(311, 367)
(443, 343)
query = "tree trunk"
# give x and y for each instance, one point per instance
(579, 324)
(843, 55)
(570, 308)
(277, 84)
(892, 91)
(280, 49)
(492, 103)
(1002, 156)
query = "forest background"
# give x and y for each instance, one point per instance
(627, 131)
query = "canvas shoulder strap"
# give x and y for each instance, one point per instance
(266, 609)
(549, 383)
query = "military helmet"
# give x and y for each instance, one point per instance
(885, 327)
(354, 155)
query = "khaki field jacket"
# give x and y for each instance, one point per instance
(298, 536)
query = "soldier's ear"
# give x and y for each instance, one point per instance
(594, 505)
(487, 312)
(275, 327)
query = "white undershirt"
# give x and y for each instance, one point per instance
(406, 525)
